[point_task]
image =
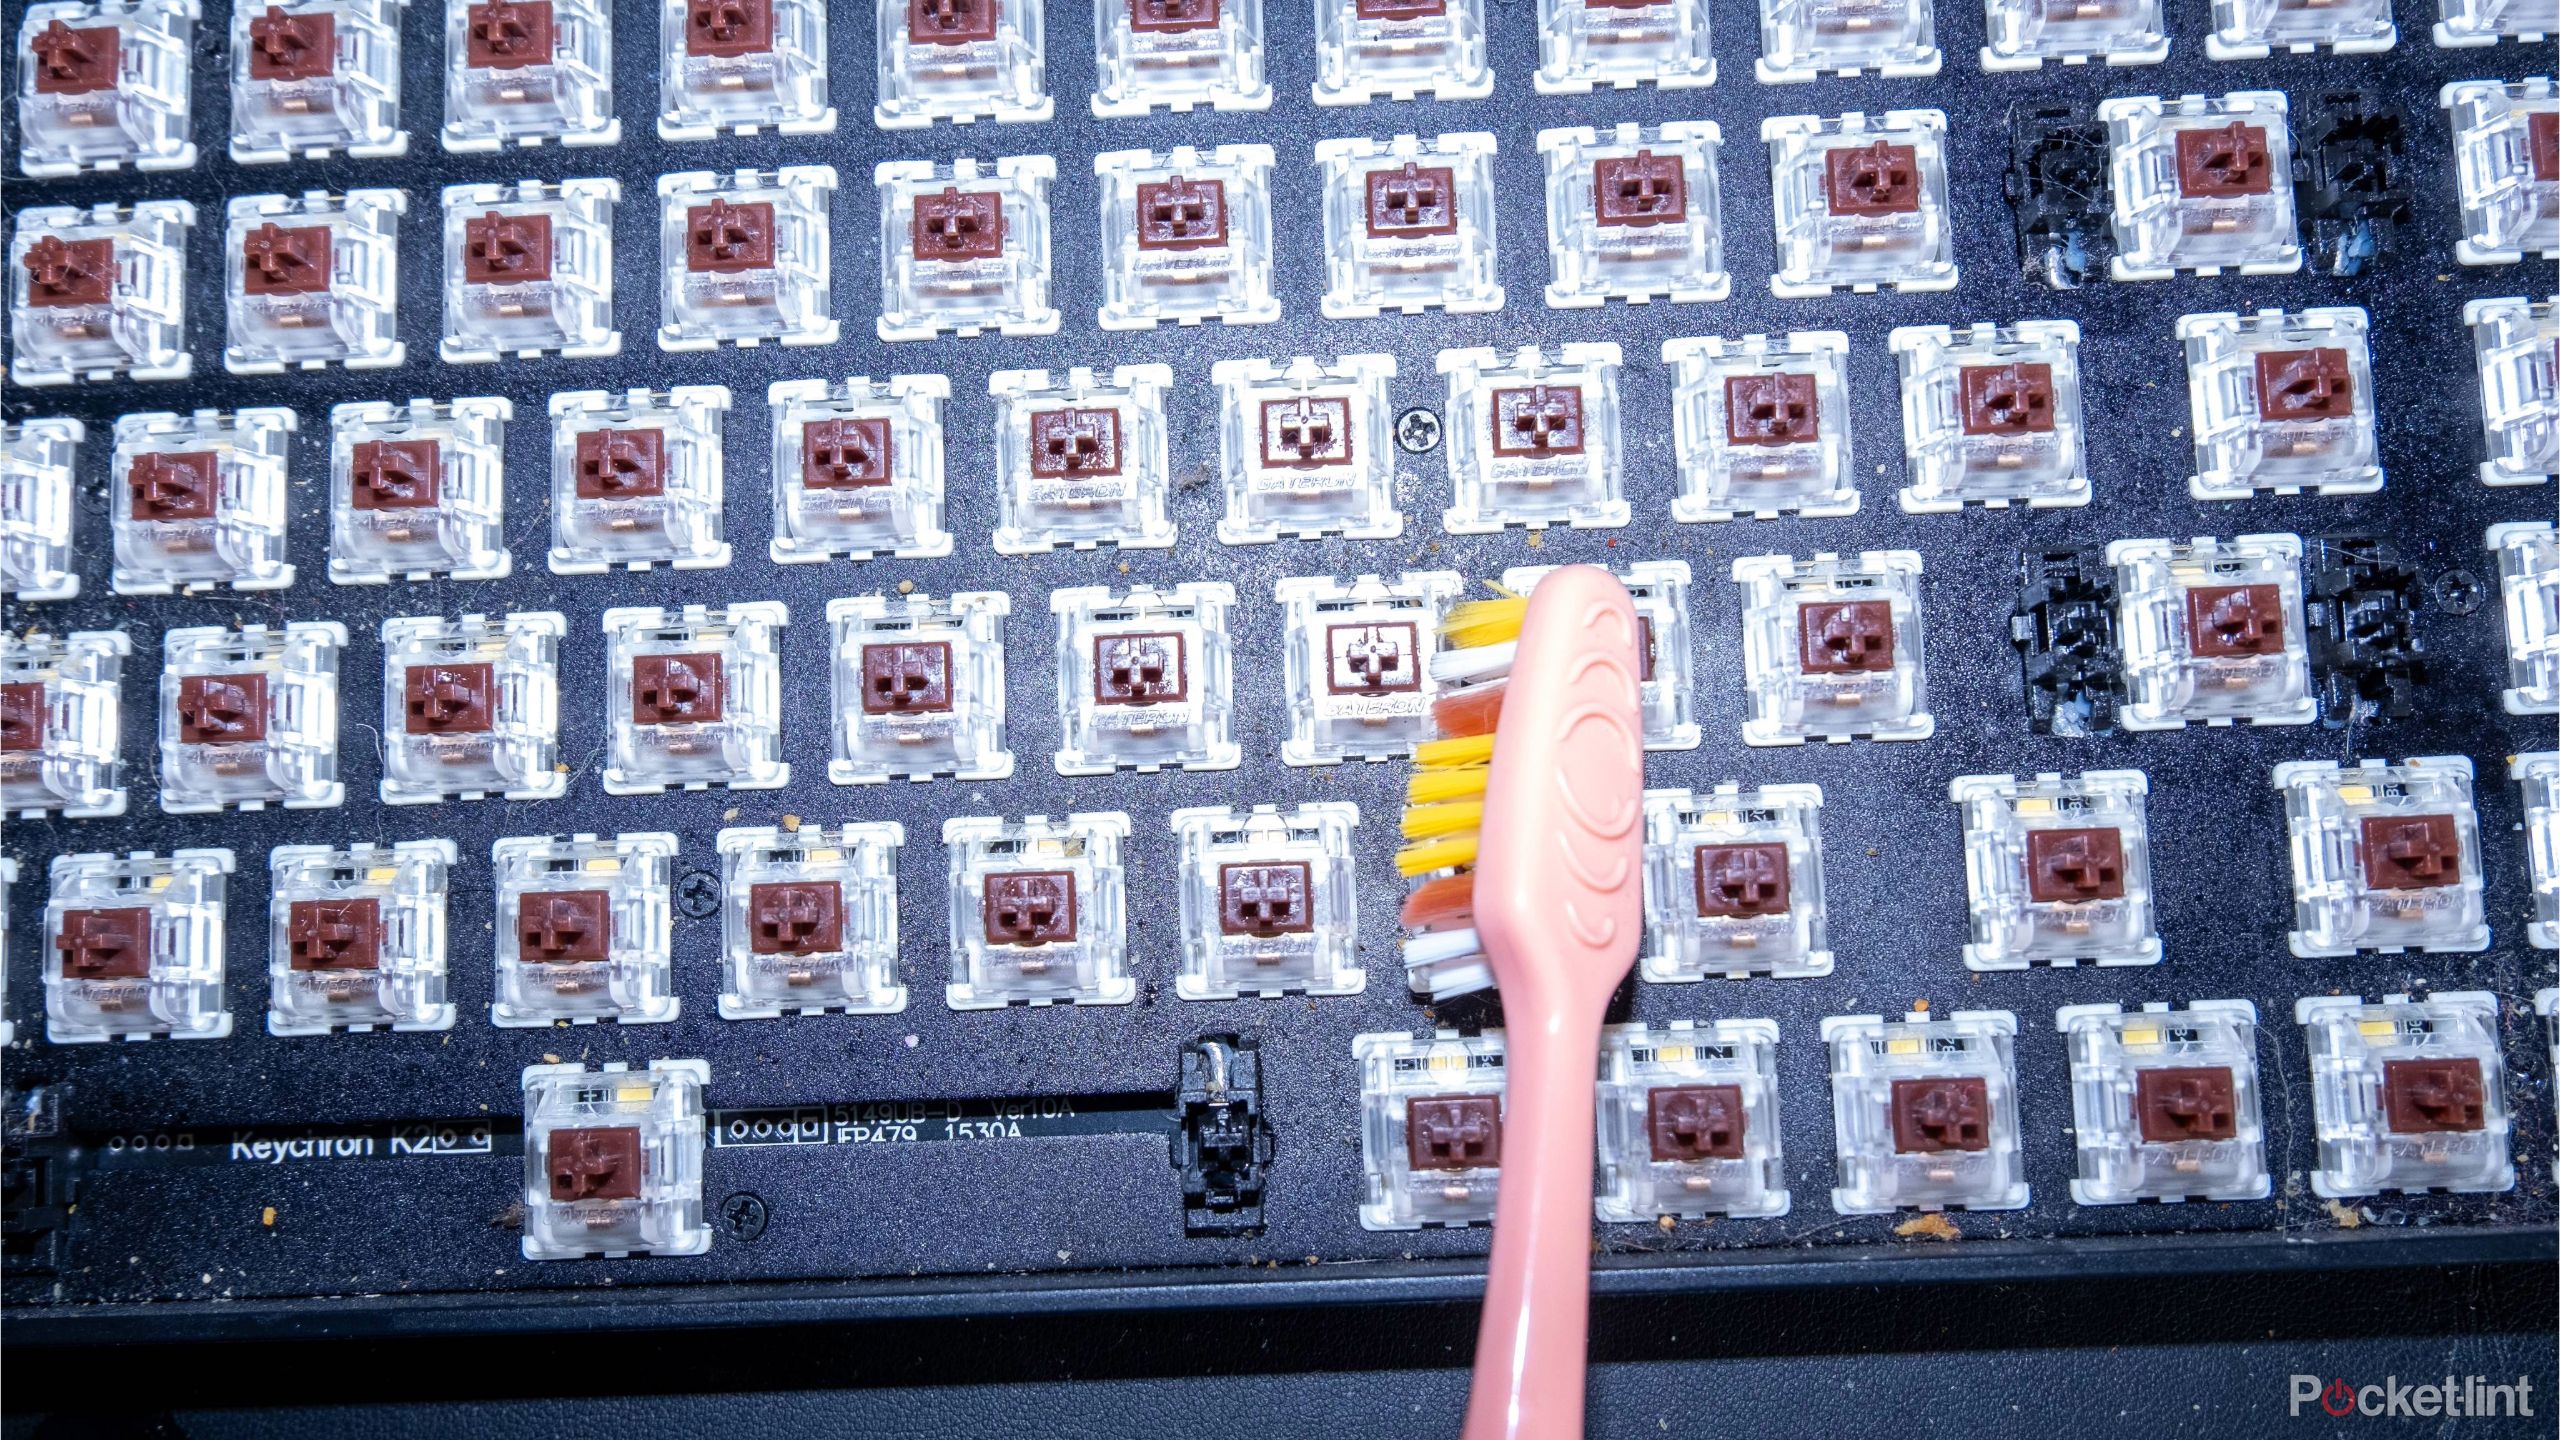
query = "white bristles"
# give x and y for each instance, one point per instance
(1442, 963)
(1473, 663)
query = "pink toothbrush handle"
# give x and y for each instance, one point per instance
(1558, 900)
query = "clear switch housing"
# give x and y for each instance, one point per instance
(313, 280)
(583, 930)
(2202, 183)
(1803, 40)
(919, 687)
(2212, 632)
(356, 937)
(2506, 146)
(2255, 29)
(1534, 440)
(1733, 884)
(693, 697)
(39, 460)
(61, 724)
(858, 468)
(1832, 648)
(100, 293)
(418, 490)
(2282, 403)
(1359, 663)
(1307, 450)
(636, 479)
(1689, 1121)
(1991, 415)
(1145, 678)
(1081, 459)
(1186, 236)
(249, 717)
(311, 78)
(136, 947)
(1861, 202)
(528, 270)
(1180, 55)
(1037, 913)
(1269, 902)
(2023, 34)
(520, 72)
(102, 84)
(2164, 1102)
(962, 60)
(1431, 1113)
(2528, 554)
(613, 1160)
(2408, 1094)
(1369, 50)
(1408, 225)
(2518, 342)
(202, 501)
(2537, 777)
(2057, 869)
(964, 247)
(1633, 213)
(743, 257)
(1586, 44)
(809, 920)
(1927, 1112)
(2385, 856)
(742, 66)
(1761, 426)
(471, 708)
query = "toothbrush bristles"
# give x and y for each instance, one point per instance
(1444, 801)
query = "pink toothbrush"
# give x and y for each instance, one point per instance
(1538, 785)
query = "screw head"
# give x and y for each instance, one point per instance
(1418, 430)
(2459, 592)
(744, 1215)
(698, 894)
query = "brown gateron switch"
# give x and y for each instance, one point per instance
(503, 249)
(1844, 637)
(1266, 898)
(222, 709)
(449, 699)
(1029, 907)
(2225, 621)
(396, 474)
(795, 918)
(564, 927)
(1937, 1113)
(1739, 882)
(1689, 1123)
(679, 689)
(906, 677)
(341, 934)
(2070, 866)
(595, 1163)
(105, 944)
(1141, 669)
(1453, 1132)
(2172, 1103)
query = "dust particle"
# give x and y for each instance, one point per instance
(2347, 1216)
(906, 587)
(267, 1217)
(1928, 1227)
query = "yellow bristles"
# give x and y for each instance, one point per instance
(1433, 787)
(1443, 754)
(1484, 622)
(1431, 822)
(1432, 855)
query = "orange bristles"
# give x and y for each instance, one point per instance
(1474, 710)
(1447, 903)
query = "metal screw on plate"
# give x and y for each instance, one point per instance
(1417, 430)
(744, 1216)
(698, 894)
(2459, 592)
